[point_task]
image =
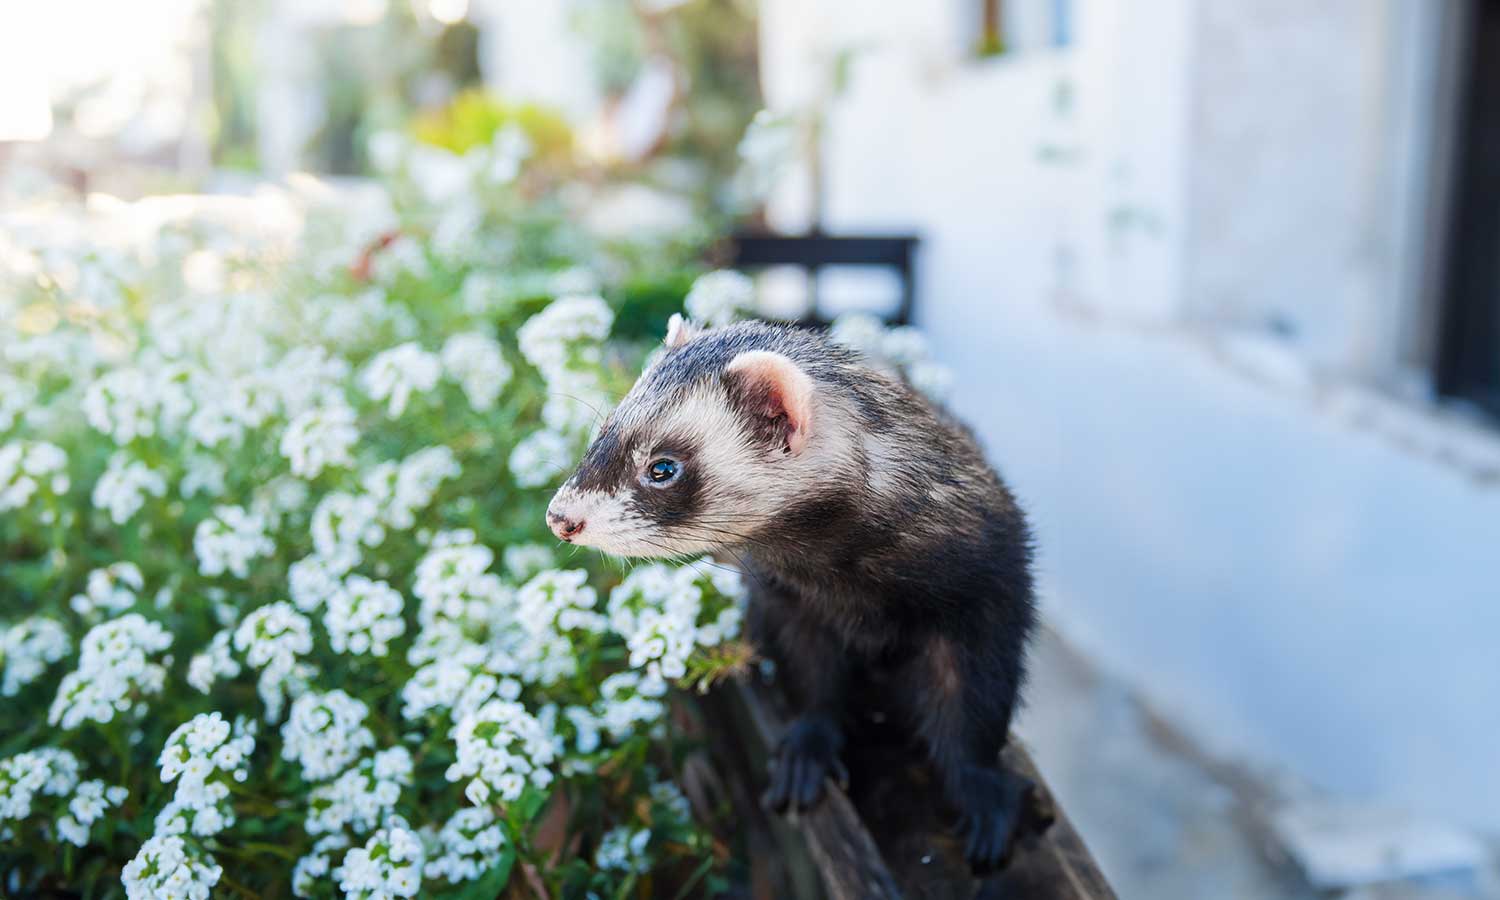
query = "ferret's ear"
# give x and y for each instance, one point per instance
(680, 331)
(776, 393)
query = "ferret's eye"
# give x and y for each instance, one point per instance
(661, 471)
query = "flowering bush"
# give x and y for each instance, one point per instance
(280, 614)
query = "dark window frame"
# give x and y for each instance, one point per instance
(1467, 363)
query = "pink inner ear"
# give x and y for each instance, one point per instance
(783, 390)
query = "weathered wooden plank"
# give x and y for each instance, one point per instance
(888, 837)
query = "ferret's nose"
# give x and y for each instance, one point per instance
(564, 527)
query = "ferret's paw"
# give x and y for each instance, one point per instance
(808, 754)
(994, 806)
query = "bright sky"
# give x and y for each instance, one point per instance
(51, 49)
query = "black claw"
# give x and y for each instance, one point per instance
(806, 757)
(994, 804)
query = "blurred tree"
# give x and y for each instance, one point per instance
(708, 48)
(232, 26)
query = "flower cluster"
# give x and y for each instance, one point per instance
(215, 662)
(364, 616)
(168, 866)
(320, 437)
(230, 540)
(29, 468)
(27, 648)
(624, 850)
(115, 671)
(398, 373)
(563, 343)
(362, 797)
(49, 776)
(325, 733)
(501, 748)
(902, 349)
(123, 488)
(204, 755)
(468, 845)
(112, 589)
(663, 616)
(271, 639)
(720, 297)
(388, 865)
(234, 440)
(477, 364)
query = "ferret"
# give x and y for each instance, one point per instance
(876, 541)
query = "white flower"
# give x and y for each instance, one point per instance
(313, 579)
(364, 617)
(576, 402)
(565, 333)
(904, 345)
(540, 457)
(388, 865)
(204, 475)
(627, 701)
(230, 540)
(397, 373)
(306, 378)
(210, 815)
(455, 585)
(558, 599)
(317, 864)
(16, 397)
(216, 662)
(522, 561)
(401, 490)
(88, 805)
(933, 379)
(27, 648)
(113, 589)
(361, 798)
(114, 670)
(170, 867)
(46, 771)
(623, 850)
(669, 796)
(320, 437)
(27, 467)
(470, 844)
(122, 405)
(275, 499)
(124, 486)
(476, 363)
(718, 298)
(501, 747)
(325, 733)
(460, 681)
(861, 332)
(271, 638)
(343, 523)
(201, 754)
(216, 421)
(664, 641)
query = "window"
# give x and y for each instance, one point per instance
(1468, 347)
(1009, 26)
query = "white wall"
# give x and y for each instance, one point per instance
(1289, 586)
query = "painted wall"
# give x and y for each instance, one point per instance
(1219, 521)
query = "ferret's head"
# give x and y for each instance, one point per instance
(726, 430)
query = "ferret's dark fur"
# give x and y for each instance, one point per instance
(893, 551)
